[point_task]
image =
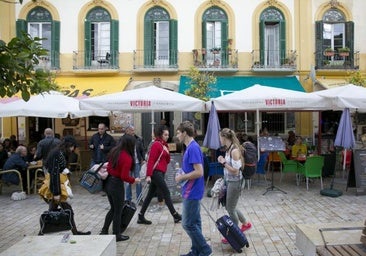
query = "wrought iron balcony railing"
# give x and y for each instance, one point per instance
(337, 60)
(50, 61)
(94, 60)
(268, 60)
(215, 59)
(155, 60)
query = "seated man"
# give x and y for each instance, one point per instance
(299, 148)
(18, 162)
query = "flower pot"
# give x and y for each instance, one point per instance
(328, 54)
(343, 54)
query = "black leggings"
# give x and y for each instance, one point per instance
(158, 181)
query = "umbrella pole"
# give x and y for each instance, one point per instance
(344, 162)
(258, 146)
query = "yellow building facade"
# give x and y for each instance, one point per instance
(104, 46)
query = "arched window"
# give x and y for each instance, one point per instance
(272, 38)
(101, 39)
(39, 23)
(160, 39)
(333, 32)
(214, 36)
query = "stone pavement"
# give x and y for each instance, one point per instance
(274, 217)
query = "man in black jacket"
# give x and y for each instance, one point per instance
(139, 158)
(45, 145)
(101, 143)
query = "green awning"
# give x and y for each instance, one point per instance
(225, 85)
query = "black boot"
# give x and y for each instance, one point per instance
(177, 217)
(80, 233)
(142, 220)
(121, 238)
(103, 232)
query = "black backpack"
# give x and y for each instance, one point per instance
(250, 153)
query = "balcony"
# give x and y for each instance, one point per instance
(155, 61)
(337, 61)
(92, 60)
(216, 60)
(48, 62)
(266, 60)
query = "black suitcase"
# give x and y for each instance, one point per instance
(230, 231)
(129, 209)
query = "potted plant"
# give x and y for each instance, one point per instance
(203, 50)
(215, 50)
(329, 52)
(344, 52)
(195, 53)
(229, 50)
(229, 41)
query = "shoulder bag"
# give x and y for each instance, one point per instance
(143, 168)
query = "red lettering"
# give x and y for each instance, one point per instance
(275, 102)
(140, 103)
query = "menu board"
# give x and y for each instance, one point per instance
(174, 188)
(359, 158)
(271, 144)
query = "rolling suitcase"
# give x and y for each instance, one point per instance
(230, 231)
(129, 209)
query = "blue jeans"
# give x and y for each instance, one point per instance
(135, 174)
(192, 224)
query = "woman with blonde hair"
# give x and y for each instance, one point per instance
(232, 163)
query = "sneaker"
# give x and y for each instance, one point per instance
(246, 227)
(224, 241)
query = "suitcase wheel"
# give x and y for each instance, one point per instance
(247, 245)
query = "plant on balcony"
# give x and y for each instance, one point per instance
(229, 50)
(328, 52)
(215, 50)
(229, 41)
(344, 51)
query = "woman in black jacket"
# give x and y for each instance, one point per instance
(55, 164)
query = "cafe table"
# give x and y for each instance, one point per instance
(32, 166)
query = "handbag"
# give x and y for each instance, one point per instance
(55, 220)
(143, 168)
(91, 180)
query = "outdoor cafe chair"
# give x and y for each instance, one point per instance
(289, 166)
(312, 168)
(9, 171)
(261, 165)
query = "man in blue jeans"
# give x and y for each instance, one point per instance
(140, 159)
(193, 186)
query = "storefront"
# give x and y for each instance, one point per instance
(30, 129)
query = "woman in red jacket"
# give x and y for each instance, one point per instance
(121, 162)
(157, 163)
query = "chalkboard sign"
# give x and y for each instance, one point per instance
(271, 144)
(175, 190)
(359, 157)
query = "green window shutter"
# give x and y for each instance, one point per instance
(319, 47)
(55, 44)
(204, 35)
(114, 44)
(148, 43)
(350, 33)
(262, 26)
(21, 26)
(224, 55)
(173, 43)
(282, 41)
(87, 46)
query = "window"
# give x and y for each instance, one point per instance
(333, 32)
(39, 23)
(214, 36)
(272, 39)
(160, 39)
(101, 39)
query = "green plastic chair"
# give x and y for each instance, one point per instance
(289, 166)
(313, 169)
